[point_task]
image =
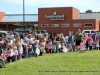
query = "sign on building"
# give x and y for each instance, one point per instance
(55, 16)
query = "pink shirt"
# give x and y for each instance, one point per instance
(15, 52)
(10, 52)
(82, 46)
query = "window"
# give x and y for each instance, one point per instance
(65, 25)
(86, 31)
(44, 25)
(38, 32)
(42, 31)
(88, 25)
(54, 25)
(77, 25)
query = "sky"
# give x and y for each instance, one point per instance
(31, 6)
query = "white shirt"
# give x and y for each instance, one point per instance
(66, 38)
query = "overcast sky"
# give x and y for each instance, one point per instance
(31, 6)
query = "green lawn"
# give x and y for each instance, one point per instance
(56, 64)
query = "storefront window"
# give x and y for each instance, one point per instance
(77, 25)
(44, 25)
(54, 25)
(88, 25)
(65, 25)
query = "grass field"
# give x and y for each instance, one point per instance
(56, 64)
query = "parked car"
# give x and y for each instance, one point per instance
(19, 31)
(40, 32)
(3, 33)
(90, 31)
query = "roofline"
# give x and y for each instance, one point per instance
(20, 21)
(56, 7)
(88, 13)
(18, 14)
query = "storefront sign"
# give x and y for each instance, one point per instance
(16, 23)
(55, 16)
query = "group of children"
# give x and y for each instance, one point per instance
(14, 47)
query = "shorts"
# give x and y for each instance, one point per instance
(78, 43)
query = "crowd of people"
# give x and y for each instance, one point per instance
(15, 47)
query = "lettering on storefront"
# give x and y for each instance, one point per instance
(55, 16)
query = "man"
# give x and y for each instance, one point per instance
(10, 34)
(78, 38)
(95, 38)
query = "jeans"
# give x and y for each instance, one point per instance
(52, 50)
(30, 53)
(25, 54)
(57, 50)
(90, 47)
(1, 63)
(15, 58)
(10, 59)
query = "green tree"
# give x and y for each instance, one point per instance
(89, 11)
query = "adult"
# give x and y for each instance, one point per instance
(70, 38)
(78, 38)
(95, 38)
(10, 34)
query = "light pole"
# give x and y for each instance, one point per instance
(23, 12)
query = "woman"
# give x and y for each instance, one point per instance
(20, 48)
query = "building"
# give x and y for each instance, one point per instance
(57, 19)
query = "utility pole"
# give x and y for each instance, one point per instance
(24, 12)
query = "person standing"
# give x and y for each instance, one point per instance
(78, 38)
(95, 38)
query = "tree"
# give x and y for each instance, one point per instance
(89, 11)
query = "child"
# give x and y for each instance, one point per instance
(30, 50)
(58, 47)
(73, 46)
(53, 47)
(2, 61)
(48, 48)
(15, 53)
(41, 48)
(10, 54)
(66, 44)
(70, 46)
(90, 43)
(64, 49)
(36, 48)
(82, 46)
(97, 45)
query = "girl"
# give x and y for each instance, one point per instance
(15, 51)
(10, 54)
(58, 46)
(20, 48)
(47, 47)
(70, 46)
(36, 48)
(90, 43)
(82, 46)
(64, 49)
(41, 48)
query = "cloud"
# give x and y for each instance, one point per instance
(82, 5)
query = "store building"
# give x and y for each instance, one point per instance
(57, 19)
